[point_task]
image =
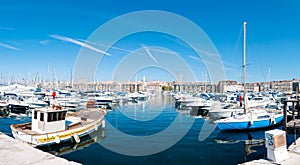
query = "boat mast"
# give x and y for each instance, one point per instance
(71, 83)
(244, 66)
(269, 80)
(135, 87)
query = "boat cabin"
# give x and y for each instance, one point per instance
(48, 120)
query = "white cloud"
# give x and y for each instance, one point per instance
(67, 39)
(195, 58)
(9, 47)
(6, 28)
(44, 42)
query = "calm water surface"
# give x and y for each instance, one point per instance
(151, 117)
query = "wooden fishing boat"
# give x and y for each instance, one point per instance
(53, 125)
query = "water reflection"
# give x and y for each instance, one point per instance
(252, 141)
(71, 146)
(193, 111)
(145, 110)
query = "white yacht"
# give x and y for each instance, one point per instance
(99, 100)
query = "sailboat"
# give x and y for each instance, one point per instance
(251, 118)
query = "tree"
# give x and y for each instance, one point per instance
(164, 88)
(167, 88)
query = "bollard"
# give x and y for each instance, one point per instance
(276, 145)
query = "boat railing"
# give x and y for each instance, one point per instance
(26, 126)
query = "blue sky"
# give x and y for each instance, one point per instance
(27, 47)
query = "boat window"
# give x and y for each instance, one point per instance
(55, 116)
(263, 117)
(52, 116)
(61, 115)
(42, 117)
(35, 114)
(257, 98)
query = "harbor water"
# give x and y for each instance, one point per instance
(150, 117)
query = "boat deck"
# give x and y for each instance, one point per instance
(86, 117)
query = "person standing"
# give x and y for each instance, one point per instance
(241, 99)
(53, 95)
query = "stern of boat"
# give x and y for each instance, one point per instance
(23, 137)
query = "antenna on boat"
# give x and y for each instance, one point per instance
(244, 66)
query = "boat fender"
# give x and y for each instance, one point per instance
(57, 139)
(103, 124)
(76, 138)
(96, 128)
(273, 119)
(102, 133)
(75, 147)
(251, 122)
(95, 139)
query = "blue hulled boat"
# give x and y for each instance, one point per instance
(250, 119)
(254, 119)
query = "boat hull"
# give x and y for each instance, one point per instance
(248, 124)
(4, 111)
(14, 108)
(69, 146)
(99, 104)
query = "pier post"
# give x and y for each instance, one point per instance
(298, 108)
(293, 109)
(284, 115)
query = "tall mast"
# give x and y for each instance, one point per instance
(135, 90)
(71, 83)
(244, 66)
(269, 80)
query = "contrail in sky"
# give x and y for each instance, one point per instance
(6, 28)
(67, 39)
(150, 54)
(113, 47)
(195, 58)
(125, 50)
(9, 47)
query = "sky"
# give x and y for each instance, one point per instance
(42, 40)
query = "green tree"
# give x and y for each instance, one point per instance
(164, 88)
(170, 88)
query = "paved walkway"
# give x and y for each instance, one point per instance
(17, 153)
(294, 152)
